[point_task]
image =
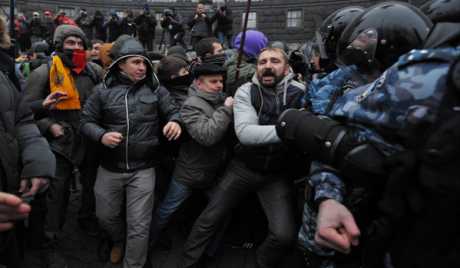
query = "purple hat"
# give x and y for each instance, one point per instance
(255, 42)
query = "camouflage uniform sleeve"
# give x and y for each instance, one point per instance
(320, 91)
(326, 183)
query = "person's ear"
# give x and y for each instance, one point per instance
(286, 69)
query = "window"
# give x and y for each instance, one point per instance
(252, 20)
(294, 19)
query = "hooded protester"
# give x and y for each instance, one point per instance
(124, 116)
(57, 92)
(174, 75)
(26, 162)
(253, 45)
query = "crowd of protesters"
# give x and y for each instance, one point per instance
(366, 115)
(40, 26)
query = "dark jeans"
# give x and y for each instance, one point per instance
(177, 194)
(225, 39)
(276, 198)
(88, 173)
(58, 194)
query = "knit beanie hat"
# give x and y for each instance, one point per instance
(169, 66)
(65, 30)
(177, 51)
(254, 43)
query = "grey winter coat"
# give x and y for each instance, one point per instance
(207, 121)
(259, 146)
(24, 152)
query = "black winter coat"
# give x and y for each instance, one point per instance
(134, 110)
(146, 24)
(200, 26)
(224, 21)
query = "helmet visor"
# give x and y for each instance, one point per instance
(361, 51)
(322, 48)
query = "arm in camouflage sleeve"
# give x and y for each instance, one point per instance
(326, 183)
(320, 91)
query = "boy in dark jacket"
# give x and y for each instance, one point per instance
(124, 115)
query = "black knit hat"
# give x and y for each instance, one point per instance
(207, 69)
(169, 66)
(177, 51)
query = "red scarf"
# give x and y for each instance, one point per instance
(78, 60)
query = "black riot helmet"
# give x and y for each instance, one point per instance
(328, 34)
(375, 40)
(445, 15)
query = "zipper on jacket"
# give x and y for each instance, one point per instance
(127, 130)
(270, 147)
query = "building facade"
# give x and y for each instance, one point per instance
(293, 21)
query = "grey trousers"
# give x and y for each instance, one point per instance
(137, 188)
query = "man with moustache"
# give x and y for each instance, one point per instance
(260, 163)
